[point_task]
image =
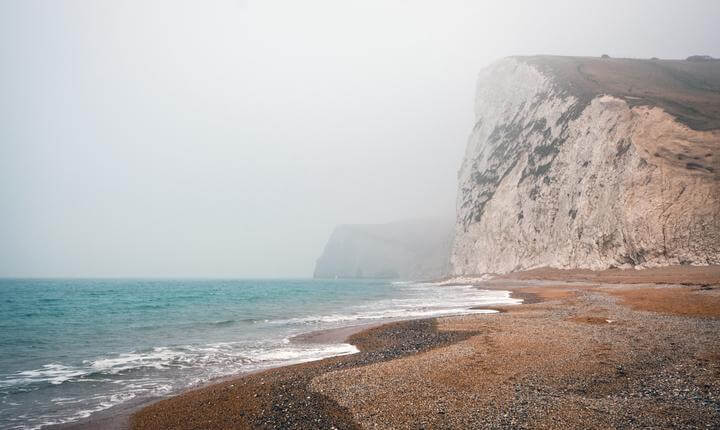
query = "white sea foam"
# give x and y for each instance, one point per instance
(389, 314)
(52, 373)
(105, 402)
(303, 354)
(425, 300)
(157, 358)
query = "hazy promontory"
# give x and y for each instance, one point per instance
(578, 162)
(410, 249)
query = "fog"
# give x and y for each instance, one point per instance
(228, 138)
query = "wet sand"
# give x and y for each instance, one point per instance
(334, 335)
(611, 349)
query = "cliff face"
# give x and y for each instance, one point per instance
(417, 249)
(583, 162)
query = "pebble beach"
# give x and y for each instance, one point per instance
(613, 349)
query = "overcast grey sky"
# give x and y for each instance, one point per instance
(227, 138)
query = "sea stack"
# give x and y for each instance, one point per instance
(578, 162)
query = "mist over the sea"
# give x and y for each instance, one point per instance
(226, 139)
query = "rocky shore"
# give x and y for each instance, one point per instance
(613, 349)
(283, 398)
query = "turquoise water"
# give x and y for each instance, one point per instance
(70, 348)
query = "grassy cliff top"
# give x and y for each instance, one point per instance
(688, 90)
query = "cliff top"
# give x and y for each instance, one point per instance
(688, 90)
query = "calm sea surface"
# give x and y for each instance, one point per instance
(69, 348)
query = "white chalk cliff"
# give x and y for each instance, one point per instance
(590, 163)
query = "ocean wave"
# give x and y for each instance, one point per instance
(103, 403)
(383, 314)
(228, 322)
(52, 373)
(428, 301)
(303, 354)
(157, 358)
(216, 359)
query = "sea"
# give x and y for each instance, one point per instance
(71, 348)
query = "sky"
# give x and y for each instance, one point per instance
(228, 138)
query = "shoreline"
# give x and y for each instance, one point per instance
(119, 417)
(285, 396)
(585, 354)
(291, 381)
(336, 334)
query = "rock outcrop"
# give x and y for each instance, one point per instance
(591, 163)
(416, 249)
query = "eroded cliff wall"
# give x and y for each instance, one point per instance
(583, 162)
